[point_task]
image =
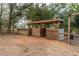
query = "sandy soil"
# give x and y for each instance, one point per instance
(22, 45)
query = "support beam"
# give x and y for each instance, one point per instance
(73, 14)
(69, 41)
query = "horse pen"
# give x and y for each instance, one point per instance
(37, 41)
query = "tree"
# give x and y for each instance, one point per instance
(16, 11)
(75, 8)
(11, 7)
(38, 12)
(77, 22)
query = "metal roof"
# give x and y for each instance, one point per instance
(47, 21)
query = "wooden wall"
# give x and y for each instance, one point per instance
(23, 31)
(41, 32)
(52, 34)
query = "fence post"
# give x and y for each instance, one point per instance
(69, 41)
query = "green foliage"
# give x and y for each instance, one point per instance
(36, 12)
(77, 20)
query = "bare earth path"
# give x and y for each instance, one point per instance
(21, 45)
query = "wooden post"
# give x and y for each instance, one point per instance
(69, 41)
(28, 25)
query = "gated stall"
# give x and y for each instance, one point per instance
(50, 32)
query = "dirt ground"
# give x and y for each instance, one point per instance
(22, 45)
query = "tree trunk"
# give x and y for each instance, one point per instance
(78, 30)
(9, 25)
(10, 16)
(1, 15)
